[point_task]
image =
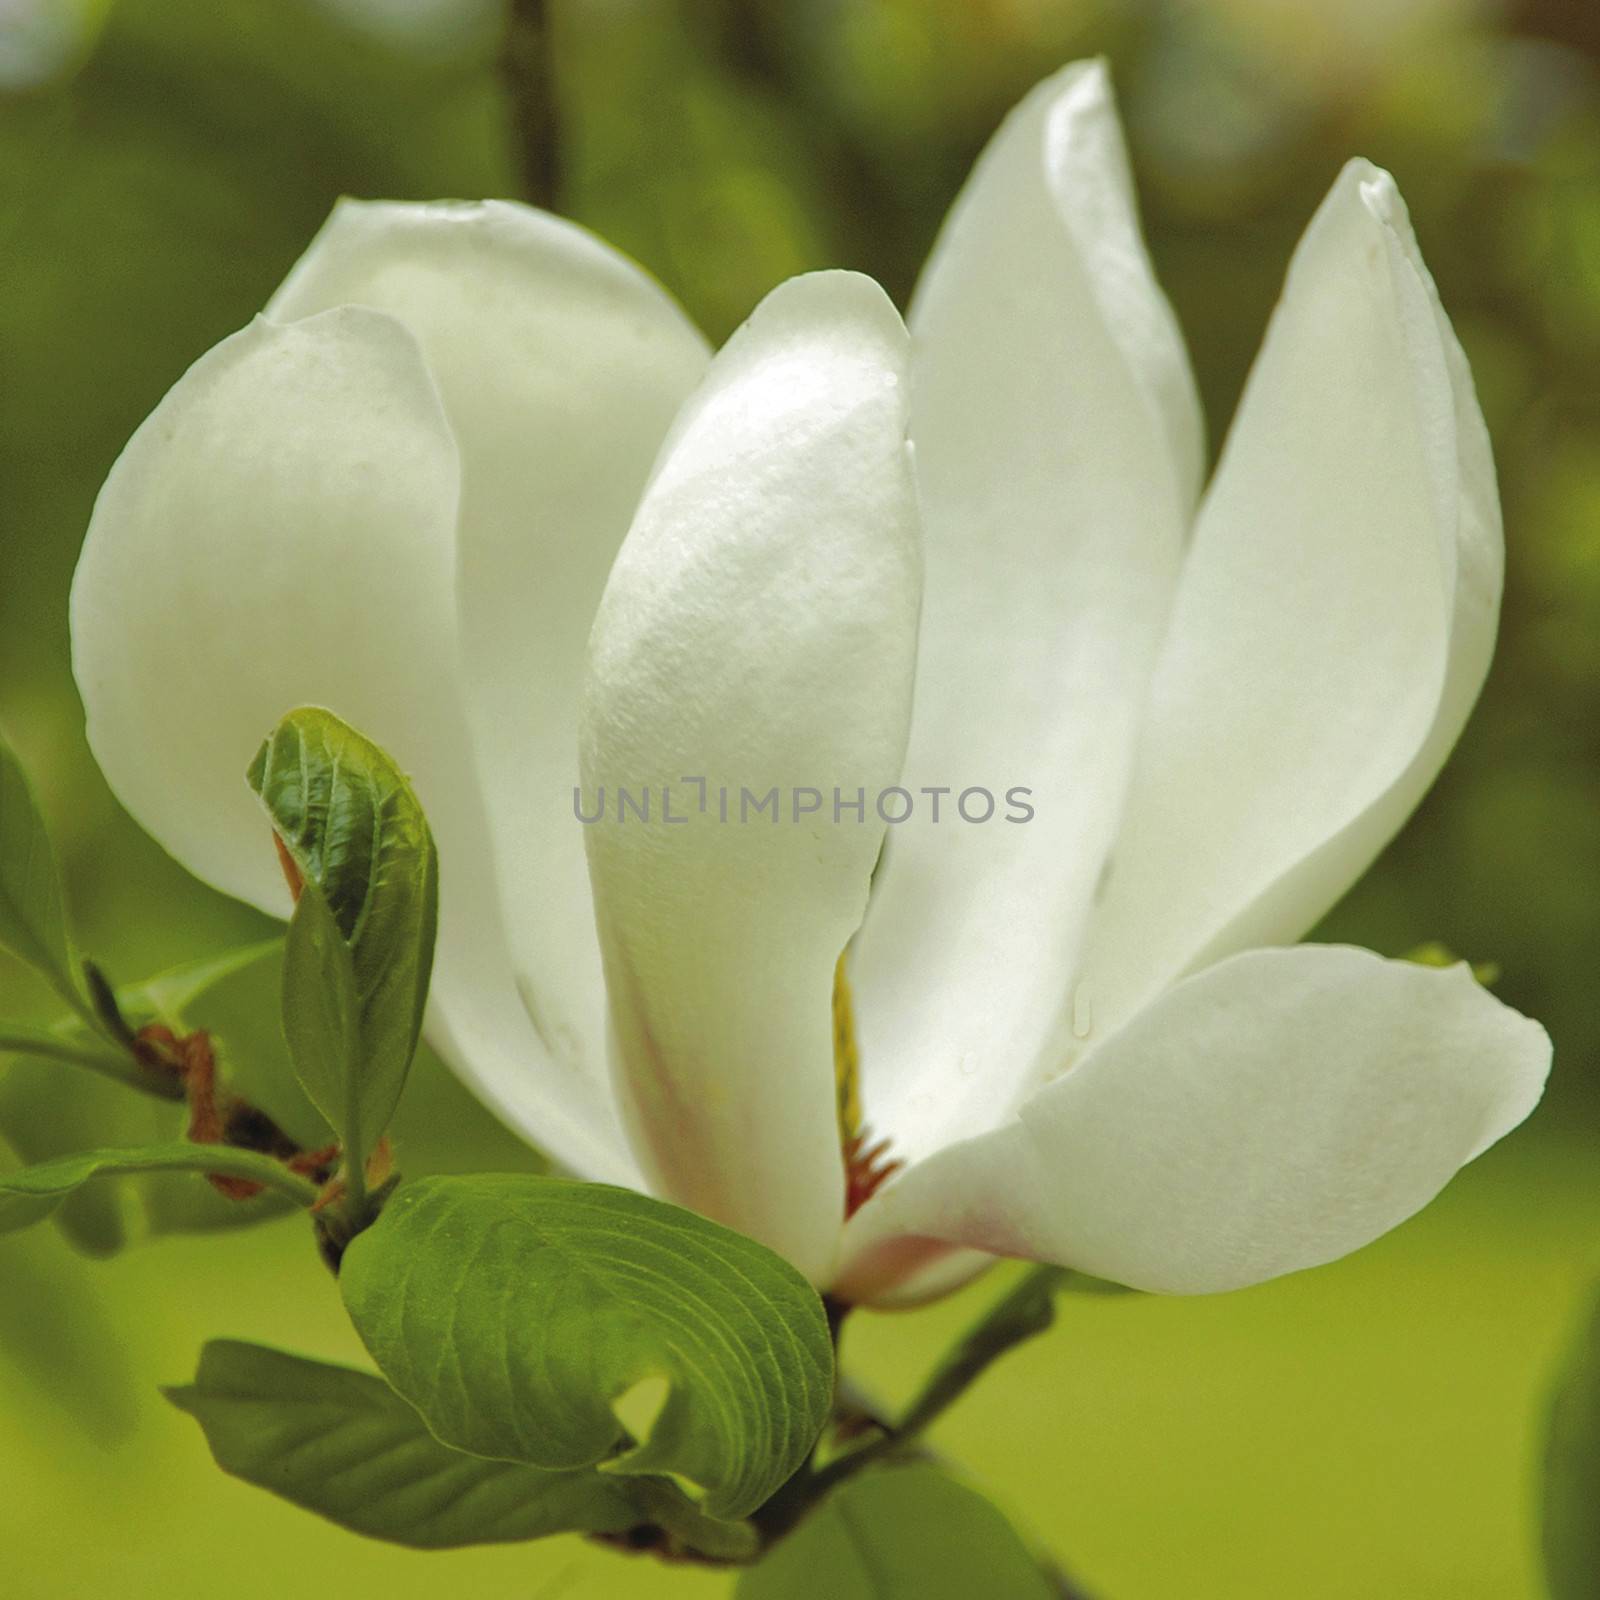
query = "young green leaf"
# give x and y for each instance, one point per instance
(514, 1312)
(31, 1195)
(1571, 1524)
(900, 1533)
(353, 831)
(343, 1444)
(33, 920)
(322, 1023)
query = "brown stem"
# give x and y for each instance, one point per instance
(218, 1117)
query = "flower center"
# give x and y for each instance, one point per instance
(867, 1165)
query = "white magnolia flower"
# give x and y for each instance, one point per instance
(402, 492)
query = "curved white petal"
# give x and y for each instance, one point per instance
(1335, 619)
(281, 531)
(1058, 448)
(561, 365)
(758, 632)
(905, 1271)
(1274, 1112)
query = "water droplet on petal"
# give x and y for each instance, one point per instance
(1082, 1012)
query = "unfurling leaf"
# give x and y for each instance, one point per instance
(1571, 1531)
(33, 921)
(356, 837)
(514, 1312)
(900, 1533)
(322, 1023)
(342, 1443)
(31, 1195)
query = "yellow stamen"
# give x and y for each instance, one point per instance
(846, 1060)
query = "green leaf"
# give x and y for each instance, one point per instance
(353, 828)
(901, 1533)
(1571, 1527)
(33, 920)
(342, 1443)
(514, 1312)
(34, 1193)
(322, 1023)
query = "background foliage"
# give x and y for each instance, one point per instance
(1371, 1427)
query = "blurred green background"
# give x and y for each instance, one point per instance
(1370, 1428)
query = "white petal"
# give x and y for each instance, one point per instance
(1058, 450)
(281, 531)
(758, 631)
(561, 365)
(1273, 1112)
(1335, 619)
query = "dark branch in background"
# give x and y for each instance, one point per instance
(527, 66)
(753, 42)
